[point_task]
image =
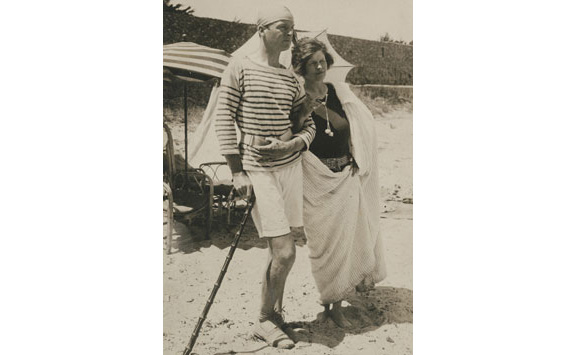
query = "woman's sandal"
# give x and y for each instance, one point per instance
(272, 335)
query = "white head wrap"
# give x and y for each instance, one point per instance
(273, 13)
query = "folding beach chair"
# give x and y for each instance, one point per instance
(192, 190)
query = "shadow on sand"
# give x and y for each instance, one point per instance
(367, 312)
(190, 239)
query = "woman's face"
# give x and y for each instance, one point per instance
(316, 67)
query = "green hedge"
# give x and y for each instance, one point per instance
(376, 62)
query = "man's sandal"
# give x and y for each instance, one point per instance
(278, 319)
(272, 335)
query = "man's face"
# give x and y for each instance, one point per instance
(278, 35)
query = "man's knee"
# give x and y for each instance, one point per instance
(283, 250)
(285, 256)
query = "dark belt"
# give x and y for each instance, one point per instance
(337, 164)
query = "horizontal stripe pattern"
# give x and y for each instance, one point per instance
(258, 100)
(196, 58)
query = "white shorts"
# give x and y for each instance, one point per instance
(279, 199)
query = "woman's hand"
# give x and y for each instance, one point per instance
(355, 168)
(309, 104)
(306, 108)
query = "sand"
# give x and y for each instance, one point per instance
(382, 319)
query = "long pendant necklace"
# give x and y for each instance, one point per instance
(328, 131)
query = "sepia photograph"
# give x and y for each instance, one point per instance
(287, 164)
(292, 151)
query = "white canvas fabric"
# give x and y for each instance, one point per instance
(337, 72)
(203, 146)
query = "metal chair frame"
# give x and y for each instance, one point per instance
(191, 187)
(224, 197)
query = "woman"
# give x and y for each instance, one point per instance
(341, 207)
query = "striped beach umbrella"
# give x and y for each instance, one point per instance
(188, 60)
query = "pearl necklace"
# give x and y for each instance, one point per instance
(328, 131)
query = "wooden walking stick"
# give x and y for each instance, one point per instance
(194, 336)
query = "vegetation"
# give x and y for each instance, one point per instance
(168, 7)
(376, 62)
(387, 39)
(381, 100)
(225, 35)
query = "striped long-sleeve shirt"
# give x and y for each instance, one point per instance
(258, 99)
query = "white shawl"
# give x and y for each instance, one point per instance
(341, 211)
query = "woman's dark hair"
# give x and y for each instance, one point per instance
(303, 50)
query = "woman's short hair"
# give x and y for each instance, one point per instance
(303, 50)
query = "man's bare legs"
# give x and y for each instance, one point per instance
(282, 253)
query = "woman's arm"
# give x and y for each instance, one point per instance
(299, 115)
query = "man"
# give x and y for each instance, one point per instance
(259, 95)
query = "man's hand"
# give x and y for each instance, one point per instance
(242, 184)
(277, 148)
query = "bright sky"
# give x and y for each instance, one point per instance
(368, 19)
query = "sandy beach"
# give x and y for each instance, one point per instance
(382, 319)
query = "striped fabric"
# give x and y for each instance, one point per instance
(258, 100)
(341, 211)
(193, 59)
